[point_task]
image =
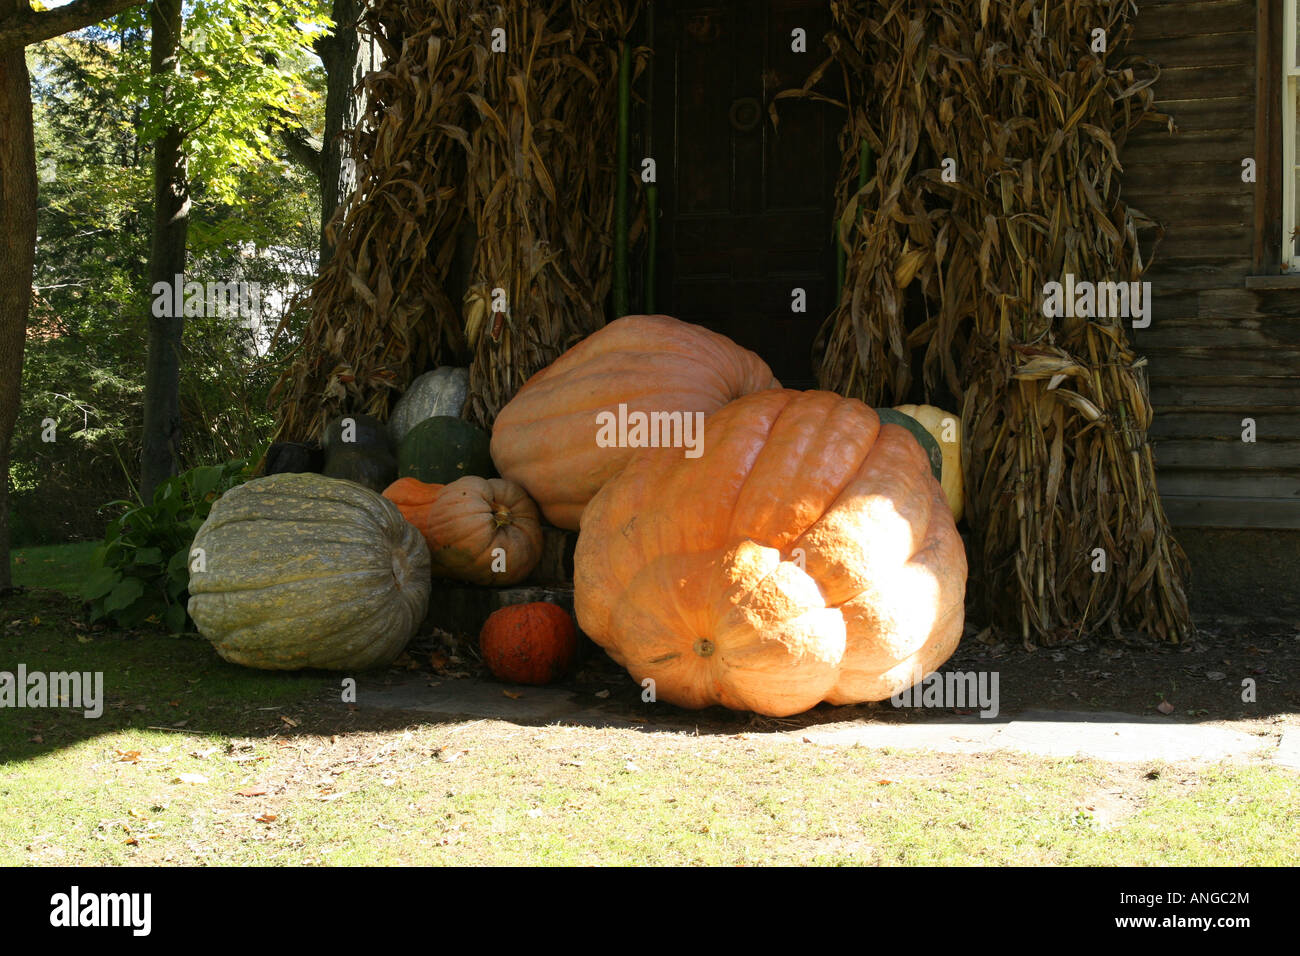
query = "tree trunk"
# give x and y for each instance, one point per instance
(17, 252)
(160, 456)
(347, 58)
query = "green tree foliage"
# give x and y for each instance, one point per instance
(255, 219)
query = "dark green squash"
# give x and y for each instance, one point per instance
(890, 416)
(293, 571)
(441, 449)
(286, 457)
(359, 452)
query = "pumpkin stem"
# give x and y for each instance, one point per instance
(704, 647)
(502, 517)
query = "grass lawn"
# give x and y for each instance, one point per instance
(196, 761)
(61, 567)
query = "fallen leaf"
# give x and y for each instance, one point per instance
(266, 818)
(512, 695)
(602, 693)
(128, 756)
(251, 792)
(1165, 707)
(289, 720)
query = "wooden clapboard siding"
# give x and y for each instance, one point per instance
(1218, 352)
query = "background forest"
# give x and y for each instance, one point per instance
(251, 102)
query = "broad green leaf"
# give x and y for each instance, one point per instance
(98, 583)
(147, 556)
(175, 619)
(124, 595)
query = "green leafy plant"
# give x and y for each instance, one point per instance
(140, 574)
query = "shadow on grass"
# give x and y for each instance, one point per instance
(178, 684)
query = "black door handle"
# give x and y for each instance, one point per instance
(745, 114)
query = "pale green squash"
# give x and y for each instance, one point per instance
(297, 570)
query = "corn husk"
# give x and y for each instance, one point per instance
(1055, 411)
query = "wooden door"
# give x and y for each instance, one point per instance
(747, 208)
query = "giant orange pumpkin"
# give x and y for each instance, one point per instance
(808, 556)
(480, 530)
(549, 437)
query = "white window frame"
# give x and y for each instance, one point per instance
(1290, 154)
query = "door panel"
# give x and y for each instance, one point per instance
(746, 208)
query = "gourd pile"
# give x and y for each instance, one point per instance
(739, 543)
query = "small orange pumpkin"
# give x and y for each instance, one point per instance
(412, 498)
(529, 643)
(479, 530)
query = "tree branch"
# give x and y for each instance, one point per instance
(301, 150)
(27, 26)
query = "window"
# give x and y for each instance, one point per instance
(1291, 138)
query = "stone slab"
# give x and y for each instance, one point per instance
(965, 736)
(472, 698)
(1113, 737)
(1123, 738)
(1288, 751)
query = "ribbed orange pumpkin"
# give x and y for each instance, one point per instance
(808, 556)
(480, 530)
(546, 437)
(529, 643)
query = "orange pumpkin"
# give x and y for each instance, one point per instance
(529, 643)
(412, 498)
(549, 437)
(479, 530)
(809, 555)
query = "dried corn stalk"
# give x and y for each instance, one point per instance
(482, 184)
(1055, 411)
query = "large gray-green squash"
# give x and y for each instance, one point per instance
(440, 392)
(298, 570)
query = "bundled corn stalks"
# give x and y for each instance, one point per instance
(1022, 108)
(481, 229)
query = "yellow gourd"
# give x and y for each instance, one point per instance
(946, 429)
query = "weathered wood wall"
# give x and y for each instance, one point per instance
(1220, 349)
